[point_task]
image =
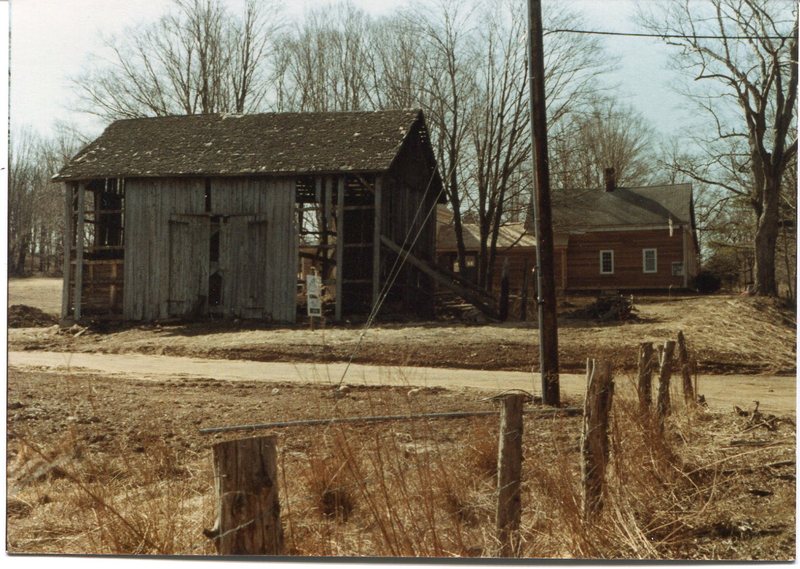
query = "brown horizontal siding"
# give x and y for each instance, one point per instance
(583, 259)
(517, 258)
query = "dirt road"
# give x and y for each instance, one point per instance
(776, 394)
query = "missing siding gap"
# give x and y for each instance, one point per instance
(208, 194)
(215, 276)
(215, 289)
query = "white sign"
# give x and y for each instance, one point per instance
(313, 293)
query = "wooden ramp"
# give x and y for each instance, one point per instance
(472, 294)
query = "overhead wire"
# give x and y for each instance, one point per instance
(394, 272)
(662, 36)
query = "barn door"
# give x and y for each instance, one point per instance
(243, 265)
(188, 265)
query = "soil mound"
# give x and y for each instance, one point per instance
(22, 316)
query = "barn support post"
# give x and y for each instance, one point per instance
(69, 197)
(339, 246)
(376, 246)
(594, 439)
(248, 507)
(509, 475)
(327, 197)
(320, 195)
(79, 234)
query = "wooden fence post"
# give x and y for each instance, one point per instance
(594, 439)
(664, 376)
(645, 376)
(686, 370)
(248, 507)
(509, 473)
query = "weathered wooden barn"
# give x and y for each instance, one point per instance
(204, 215)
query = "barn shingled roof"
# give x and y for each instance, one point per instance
(226, 144)
(644, 206)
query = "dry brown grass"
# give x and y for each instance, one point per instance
(423, 489)
(145, 502)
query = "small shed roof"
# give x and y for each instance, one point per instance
(651, 205)
(226, 144)
(510, 235)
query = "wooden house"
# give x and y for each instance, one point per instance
(626, 238)
(203, 215)
(603, 239)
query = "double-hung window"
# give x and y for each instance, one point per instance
(607, 262)
(649, 261)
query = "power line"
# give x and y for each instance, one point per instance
(663, 36)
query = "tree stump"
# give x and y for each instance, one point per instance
(594, 439)
(645, 376)
(248, 507)
(509, 474)
(686, 370)
(664, 376)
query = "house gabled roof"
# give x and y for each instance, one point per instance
(233, 145)
(644, 206)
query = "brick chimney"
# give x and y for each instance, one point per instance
(610, 179)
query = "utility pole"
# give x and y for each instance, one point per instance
(543, 223)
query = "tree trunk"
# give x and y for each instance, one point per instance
(21, 257)
(766, 239)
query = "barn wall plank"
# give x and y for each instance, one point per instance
(69, 234)
(260, 247)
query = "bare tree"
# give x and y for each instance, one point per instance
(606, 134)
(35, 203)
(325, 65)
(745, 54)
(447, 42)
(497, 157)
(396, 63)
(500, 132)
(23, 179)
(199, 58)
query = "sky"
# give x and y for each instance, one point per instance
(52, 40)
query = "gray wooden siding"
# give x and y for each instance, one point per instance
(149, 206)
(188, 265)
(258, 246)
(167, 233)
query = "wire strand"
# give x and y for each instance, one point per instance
(394, 272)
(663, 36)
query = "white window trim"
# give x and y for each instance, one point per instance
(644, 261)
(611, 272)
